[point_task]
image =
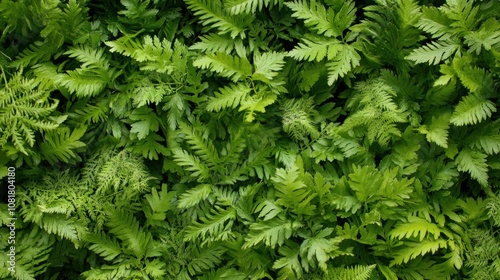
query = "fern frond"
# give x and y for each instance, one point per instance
(202, 147)
(267, 65)
(61, 226)
(192, 163)
(415, 227)
(475, 79)
(346, 59)
(194, 196)
(212, 43)
(227, 66)
(124, 226)
(473, 162)
(91, 58)
(434, 21)
(205, 259)
(437, 130)
(472, 109)
(412, 250)
(211, 13)
(316, 49)
(228, 97)
(289, 265)
(322, 19)
(272, 232)
(215, 226)
(357, 272)
(249, 6)
(433, 53)
(59, 144)
(103, 245)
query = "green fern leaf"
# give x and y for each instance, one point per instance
(316, 16)
(194, 196)
(124, 226)
(213, 43)
(228, 97)
(412, 250)
(415, 227)
(433, 53)
(234, 68)
(267, 65)
(289, 265)
(316, 50)
(472, 109)
(249, 6)
(357, 272)
(59, 144)
(212, 14)
(437, 130)
(192, 163)
(346, 59)
(215, 226)
(473, 162)
(205, 259)
(273, 232)
(103, 245)
(62, 226)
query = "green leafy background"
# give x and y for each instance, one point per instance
(251, 139)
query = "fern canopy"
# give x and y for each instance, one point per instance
(249, 139)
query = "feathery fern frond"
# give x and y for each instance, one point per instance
(215, 226)
(24, 109)
(415, 227)
(433, 53)
(474, 162)
(324, 20)
(194, 196)
(315, 50)
(59, 144)
(202, 147)
(103, 245)
(272, 232)
(191, 163)
(249, 6)
(346, 59)
(124, 226)
(472, 109)
(357, 272)
(211, 13)
(267, 65)
(234, 68)
(228, 97)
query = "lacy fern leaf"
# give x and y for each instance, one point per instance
(433, 53)
(472, 109)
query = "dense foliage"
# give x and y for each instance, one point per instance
(251, 139)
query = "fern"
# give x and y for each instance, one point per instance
(234, 68)
(60, 143)
(25, 108)
(472, 109)
(322, 19)
(473, 162)
(315, 50)
(415, 227)
(346, 59)
(272, 232)
(228, 97)
(215, 226)
(358, 272)
(433, 53)
(194, 196)
(249, 6)
(211, 13)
